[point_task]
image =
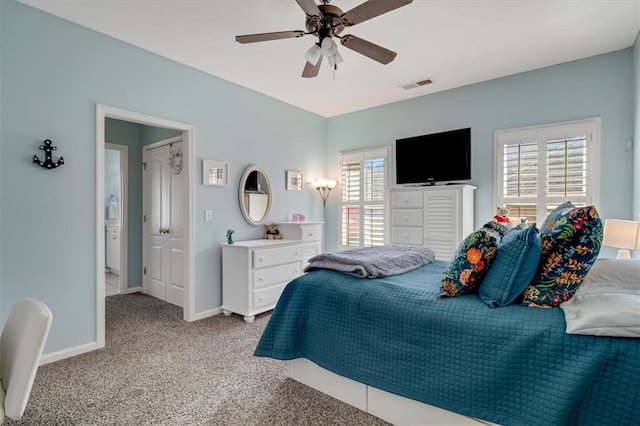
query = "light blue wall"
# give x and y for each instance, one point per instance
(636, 140)
(53, 75)
(2, 314)
(594, 87)
(130, 134)
(152, 134)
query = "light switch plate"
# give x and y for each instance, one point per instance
(208, 215)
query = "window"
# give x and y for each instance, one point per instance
(539, 168)
(364, 195)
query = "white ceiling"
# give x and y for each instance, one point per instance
(453, 42)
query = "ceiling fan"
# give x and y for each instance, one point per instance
(327, 22)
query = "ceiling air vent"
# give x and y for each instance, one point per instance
(415, 84)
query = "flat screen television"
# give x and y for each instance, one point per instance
(432, 158)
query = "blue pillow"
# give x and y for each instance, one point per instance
(513, 268)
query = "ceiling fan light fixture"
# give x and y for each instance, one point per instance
(329, 47)
(313, 54)
(335, 59)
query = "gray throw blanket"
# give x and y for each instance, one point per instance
(373, 262)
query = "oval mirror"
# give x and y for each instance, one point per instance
(254, 194)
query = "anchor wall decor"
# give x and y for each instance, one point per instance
(48, 163)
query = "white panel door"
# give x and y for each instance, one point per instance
(164, 189)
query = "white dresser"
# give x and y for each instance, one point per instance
(255, 272)
(438, 217)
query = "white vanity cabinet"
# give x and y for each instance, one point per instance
(112, 238)
(255, 272)
(438, 217)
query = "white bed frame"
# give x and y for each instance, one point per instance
(392, 408)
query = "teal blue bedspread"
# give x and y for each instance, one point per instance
(512, 365)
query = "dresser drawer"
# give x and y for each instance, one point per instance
(310, 232)
(276, 274)
(309, 251)
(407, 217)
(405, 235)
(406, 200)
(267, 297)
(276, 256)
(300, 231)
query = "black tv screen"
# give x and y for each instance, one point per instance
(437, 157)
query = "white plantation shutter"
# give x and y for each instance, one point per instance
(364, 195)
(538, 168)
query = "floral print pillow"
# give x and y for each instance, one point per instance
(571, 241)
(472, 260)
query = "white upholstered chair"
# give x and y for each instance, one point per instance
(23, 338)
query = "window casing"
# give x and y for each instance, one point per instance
(538, 168)
(363, 203)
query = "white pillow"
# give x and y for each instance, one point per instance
(608, 301)
(623, 271)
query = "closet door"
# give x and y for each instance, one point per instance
(164, 184)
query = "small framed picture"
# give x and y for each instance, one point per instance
(215, 172)
(294, 180)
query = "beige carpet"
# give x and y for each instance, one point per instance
(157, 369)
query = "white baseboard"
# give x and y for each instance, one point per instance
(68, 353)
(137, 289)
(207, 314)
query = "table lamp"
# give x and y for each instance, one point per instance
(623, 235)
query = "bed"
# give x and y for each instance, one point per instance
(391, 347)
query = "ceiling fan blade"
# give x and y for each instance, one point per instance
(371, 50)
(310, 8)
(371, 9)
(252, 38)
(311, 70)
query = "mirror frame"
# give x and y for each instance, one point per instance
(241, 199)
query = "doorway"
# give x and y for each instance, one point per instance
(116, 163)
(102, 113)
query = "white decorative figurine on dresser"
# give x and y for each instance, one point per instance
(255, 272)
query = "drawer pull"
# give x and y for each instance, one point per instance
(297, 253)
(260, 279)
(261, 298)
(260, 259)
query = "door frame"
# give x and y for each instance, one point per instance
(124, 209)
(102, 113)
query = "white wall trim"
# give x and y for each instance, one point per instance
(207, 314)
(68, 353)
(102, 112)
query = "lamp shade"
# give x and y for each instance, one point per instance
(329, 47)
(324, 183)
(622, 234)
(313, 54)
(335, 59)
